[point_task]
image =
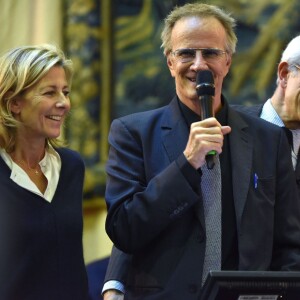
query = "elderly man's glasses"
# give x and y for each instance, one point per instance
(297, 66)
(186, 55)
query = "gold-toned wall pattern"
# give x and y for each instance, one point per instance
(87, 42)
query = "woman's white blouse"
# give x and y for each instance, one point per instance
(50, 166)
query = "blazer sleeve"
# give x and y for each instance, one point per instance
(143, 195)
(118, 266)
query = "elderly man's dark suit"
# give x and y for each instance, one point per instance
(155, 215)
(255, 110)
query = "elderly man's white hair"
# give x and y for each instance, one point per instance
(291, 54)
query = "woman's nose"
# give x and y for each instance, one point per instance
(62, 101)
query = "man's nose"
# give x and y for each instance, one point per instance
(199, 62)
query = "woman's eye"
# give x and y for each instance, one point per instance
(49, 93)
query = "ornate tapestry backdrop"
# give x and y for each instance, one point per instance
(120, 67)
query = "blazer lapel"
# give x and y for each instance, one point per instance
(175, 134)
(241, 151)
(297, 171)
(174, 131)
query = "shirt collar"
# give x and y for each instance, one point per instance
(269, 114)
(50, 166)
(49, 151)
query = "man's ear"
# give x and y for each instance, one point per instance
(228, 64)
(171, 66)
(283, 72)
(229, 60)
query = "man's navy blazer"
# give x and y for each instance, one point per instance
(155, 215)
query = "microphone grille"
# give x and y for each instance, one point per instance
(205, 83)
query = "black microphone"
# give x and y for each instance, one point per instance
(205, 88)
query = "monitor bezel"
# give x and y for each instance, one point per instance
(251, 283)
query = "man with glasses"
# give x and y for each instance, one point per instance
(160, 192)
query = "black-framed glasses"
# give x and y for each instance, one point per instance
(186, 55)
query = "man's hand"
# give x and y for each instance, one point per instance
(113, 295)
(204, 136)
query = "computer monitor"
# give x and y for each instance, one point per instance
(251, 285)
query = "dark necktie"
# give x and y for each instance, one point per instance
(292, 142)
(289, 136)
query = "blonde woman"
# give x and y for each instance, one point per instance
(41, 182)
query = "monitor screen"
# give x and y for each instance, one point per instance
(251, 285)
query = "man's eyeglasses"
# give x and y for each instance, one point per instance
(297, 66)
(186, 55)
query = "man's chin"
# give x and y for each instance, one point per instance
(292, 123)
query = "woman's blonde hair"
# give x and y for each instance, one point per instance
(203, 11)
(21, 68)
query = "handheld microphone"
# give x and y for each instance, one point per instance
(205, 88)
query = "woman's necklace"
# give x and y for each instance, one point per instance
(26, 166)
